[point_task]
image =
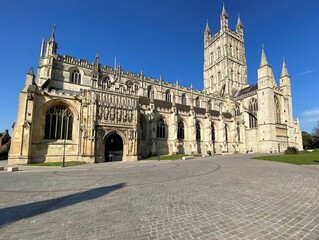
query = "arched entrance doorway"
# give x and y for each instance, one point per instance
(113, 148)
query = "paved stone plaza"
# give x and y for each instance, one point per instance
(222, 197)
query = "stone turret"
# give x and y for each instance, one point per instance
(285, 88)
(285, 80)
(29, 78)
(265, 73)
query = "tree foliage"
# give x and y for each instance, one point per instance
(311, 140)
(307, 140)
(316, 136)
(291, 150)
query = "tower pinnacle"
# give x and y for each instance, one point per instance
(284, 71)
(263, 61)
(97, 57)
(207, 29)
(224, 11)
(52, 46)
(52, 38)
(224, 19)
(239, 24)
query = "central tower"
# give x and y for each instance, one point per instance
(225, 69)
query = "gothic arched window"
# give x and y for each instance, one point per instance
(210, 106)
(197, 102)
(75, 77)
(253, 105)
(213, 133)
(253, 108)
(106, 83)
(198, 136)
(277, 110)
(150, 92)
(161, 129)
(218, 52)
(237, 111)
(183, 99)
(168, 96)
(252, 121)
(58, 123)
(180, 130)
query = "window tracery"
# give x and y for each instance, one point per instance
(58, 123)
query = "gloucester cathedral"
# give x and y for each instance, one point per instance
(79, 111)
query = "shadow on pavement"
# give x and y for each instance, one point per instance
(11, 214)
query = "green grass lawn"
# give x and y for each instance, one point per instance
(171, 157)
(303, 158)
(56, 164)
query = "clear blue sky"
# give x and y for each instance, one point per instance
(163, 37)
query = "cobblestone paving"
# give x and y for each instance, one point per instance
(222, 197)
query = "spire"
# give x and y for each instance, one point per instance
(263, 61)
(31, 71)
(224, 11)
(224, 19)
(207, 27)
(97, 57)
(42, 47)
(239, 24)
(284, 71)
(52, 46)
(52, 38)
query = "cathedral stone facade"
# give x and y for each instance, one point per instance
(72, 110)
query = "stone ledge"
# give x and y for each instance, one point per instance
(13, 169)
(187, 157)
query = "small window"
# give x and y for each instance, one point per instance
(76, 77)
(180, 130)
(210, 106)
(183, 99)
(213, 133)
(106, 83)
(198, 135)
(150, 92)
(197, 102)
(168, 96)
(218, 52)
(237, 111)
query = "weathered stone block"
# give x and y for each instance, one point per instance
(13, 169)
